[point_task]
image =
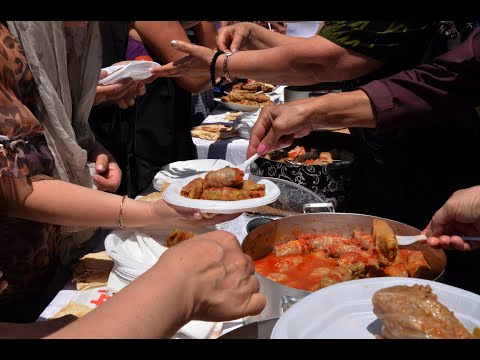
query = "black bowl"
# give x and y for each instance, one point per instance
(333, 181)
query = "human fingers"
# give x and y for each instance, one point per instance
(459, 244)
(122, 103)
(111, 179)
(223, 39)
(259, 130)
(3, 283)
(101, 163)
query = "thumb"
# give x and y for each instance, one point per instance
(101, 163)
(103, 74)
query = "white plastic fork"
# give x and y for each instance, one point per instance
(247, 163)
(407, 240)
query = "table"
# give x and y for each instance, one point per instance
(236, 226)
(233, 150)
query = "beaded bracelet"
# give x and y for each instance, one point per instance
(212, 66)
(225, 68)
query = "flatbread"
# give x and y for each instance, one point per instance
(92, 270)
(213, 132)
(73, 308)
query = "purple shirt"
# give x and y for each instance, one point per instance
(430, 92)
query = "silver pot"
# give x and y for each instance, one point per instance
(292, 93)
(261, 241)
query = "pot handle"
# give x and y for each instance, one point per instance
(312, 208)
(287, 302)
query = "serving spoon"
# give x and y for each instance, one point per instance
(407, 240)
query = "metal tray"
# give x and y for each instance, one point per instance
(255, 330)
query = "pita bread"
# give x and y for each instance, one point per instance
(73, 308)
(213, 132)
(92, 270)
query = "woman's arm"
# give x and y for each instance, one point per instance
(304, 62)
(157, 35)
(430, 92)
(219, 285)
(59, 202)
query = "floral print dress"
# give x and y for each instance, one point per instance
(28, 249)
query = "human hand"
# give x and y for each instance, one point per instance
(122, 93)
(234, 37)
(3, 283)
(276, 26)
(186, 217)
(460, 215)
(218, 285)
(109, 174)
(196, 64)
(277, 126)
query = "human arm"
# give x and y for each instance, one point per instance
(430, 92)
(277, 126)
(218, 286)
(460, 215)
(305, 62)
(63, 203)
(157, 35)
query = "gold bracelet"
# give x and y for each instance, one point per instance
(120, 214)
(225, 67)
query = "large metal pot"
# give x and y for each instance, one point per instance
(261, 241)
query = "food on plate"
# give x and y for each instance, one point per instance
(254, 87)
(230, 194)
(227, 176)
(385, 241)
(177, 236)
(246, 98)
(314, 261)
(413, 312)
(194, 189)
(213, 132)
(225, 184)
(300, 154)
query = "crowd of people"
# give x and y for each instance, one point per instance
(75, 153)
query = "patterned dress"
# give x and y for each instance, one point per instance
(28, 249)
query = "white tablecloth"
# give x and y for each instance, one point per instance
(233, 150)
(236, 226)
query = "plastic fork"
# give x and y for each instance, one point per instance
(407, 240)
(247, 163)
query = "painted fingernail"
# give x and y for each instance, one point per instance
(197, 216)
(100, 168)
(174, 43)
(262, 149)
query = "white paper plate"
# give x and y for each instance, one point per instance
(172, 196)
(183, 169)
(136, 70)
(345, 310)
